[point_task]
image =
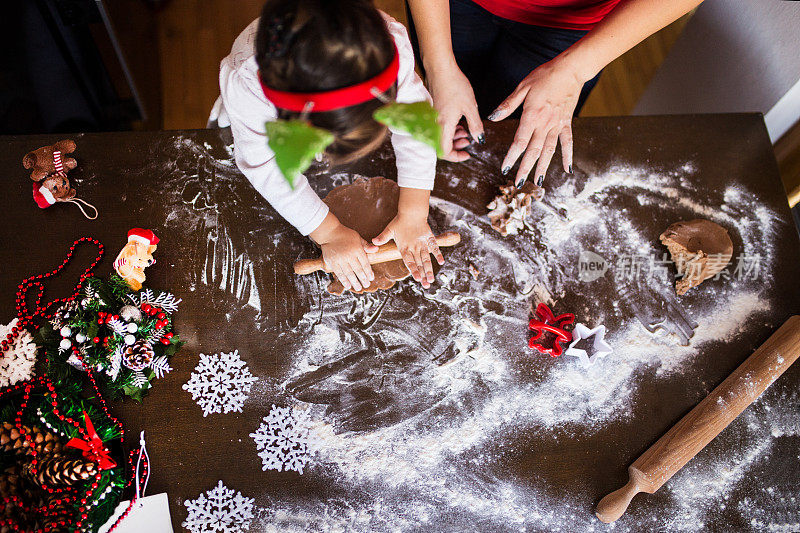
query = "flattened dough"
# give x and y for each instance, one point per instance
(700, 249)
(367, 206)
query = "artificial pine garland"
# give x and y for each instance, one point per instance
(61, 471)
(125, 337)
(56, 470)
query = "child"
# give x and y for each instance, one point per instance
(343, 50)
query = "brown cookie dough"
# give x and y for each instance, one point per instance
(509, 209)
(700, 249)
(367, 206)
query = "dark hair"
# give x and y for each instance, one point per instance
(319, 45)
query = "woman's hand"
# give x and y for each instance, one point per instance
(548, 95)
(345, 253)
(416, 243)
(454, 98)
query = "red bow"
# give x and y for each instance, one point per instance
(552, 324)
(93, 448)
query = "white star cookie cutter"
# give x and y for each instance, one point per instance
(600, 347)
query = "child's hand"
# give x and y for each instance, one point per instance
(345, 253)
(416, 242)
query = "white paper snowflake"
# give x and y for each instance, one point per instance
(220, 510)
(220, 383)
(16, 363)
(284, 440)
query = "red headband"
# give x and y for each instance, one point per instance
(336, 98)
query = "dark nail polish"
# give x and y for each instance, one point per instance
(506, 170)
(570, 169)
(481, 138)
(540, 180)
(494, 115)
(521, 182)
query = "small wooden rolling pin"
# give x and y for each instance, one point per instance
(686, 438)
(386, 252)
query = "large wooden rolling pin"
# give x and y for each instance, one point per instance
(386, 252)
(686, 438)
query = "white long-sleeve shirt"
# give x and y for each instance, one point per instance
(248, 110)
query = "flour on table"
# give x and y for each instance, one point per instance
(414, 399)
(198, 186)
(414, 394)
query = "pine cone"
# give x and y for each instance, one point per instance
(58, 510)
(11, 441)
(10, 481)
(59, 471)
(138, 355)
(25, 495)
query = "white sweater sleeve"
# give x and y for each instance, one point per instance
(416, 161)
(249, 110)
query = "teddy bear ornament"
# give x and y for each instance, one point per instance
(49, 166)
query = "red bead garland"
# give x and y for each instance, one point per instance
(45, 382)
(27, 317)
(26, 321)
(47, 509)
(90, 373)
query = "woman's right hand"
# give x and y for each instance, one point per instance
(345, 253)
(454, 98)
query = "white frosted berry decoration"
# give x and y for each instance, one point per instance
(130, 313)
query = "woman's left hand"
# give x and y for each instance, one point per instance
(548, 95)
(416, 243)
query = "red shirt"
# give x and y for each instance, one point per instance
(567, 14)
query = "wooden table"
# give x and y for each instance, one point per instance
(185, 187)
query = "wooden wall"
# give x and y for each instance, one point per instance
(194, 35)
